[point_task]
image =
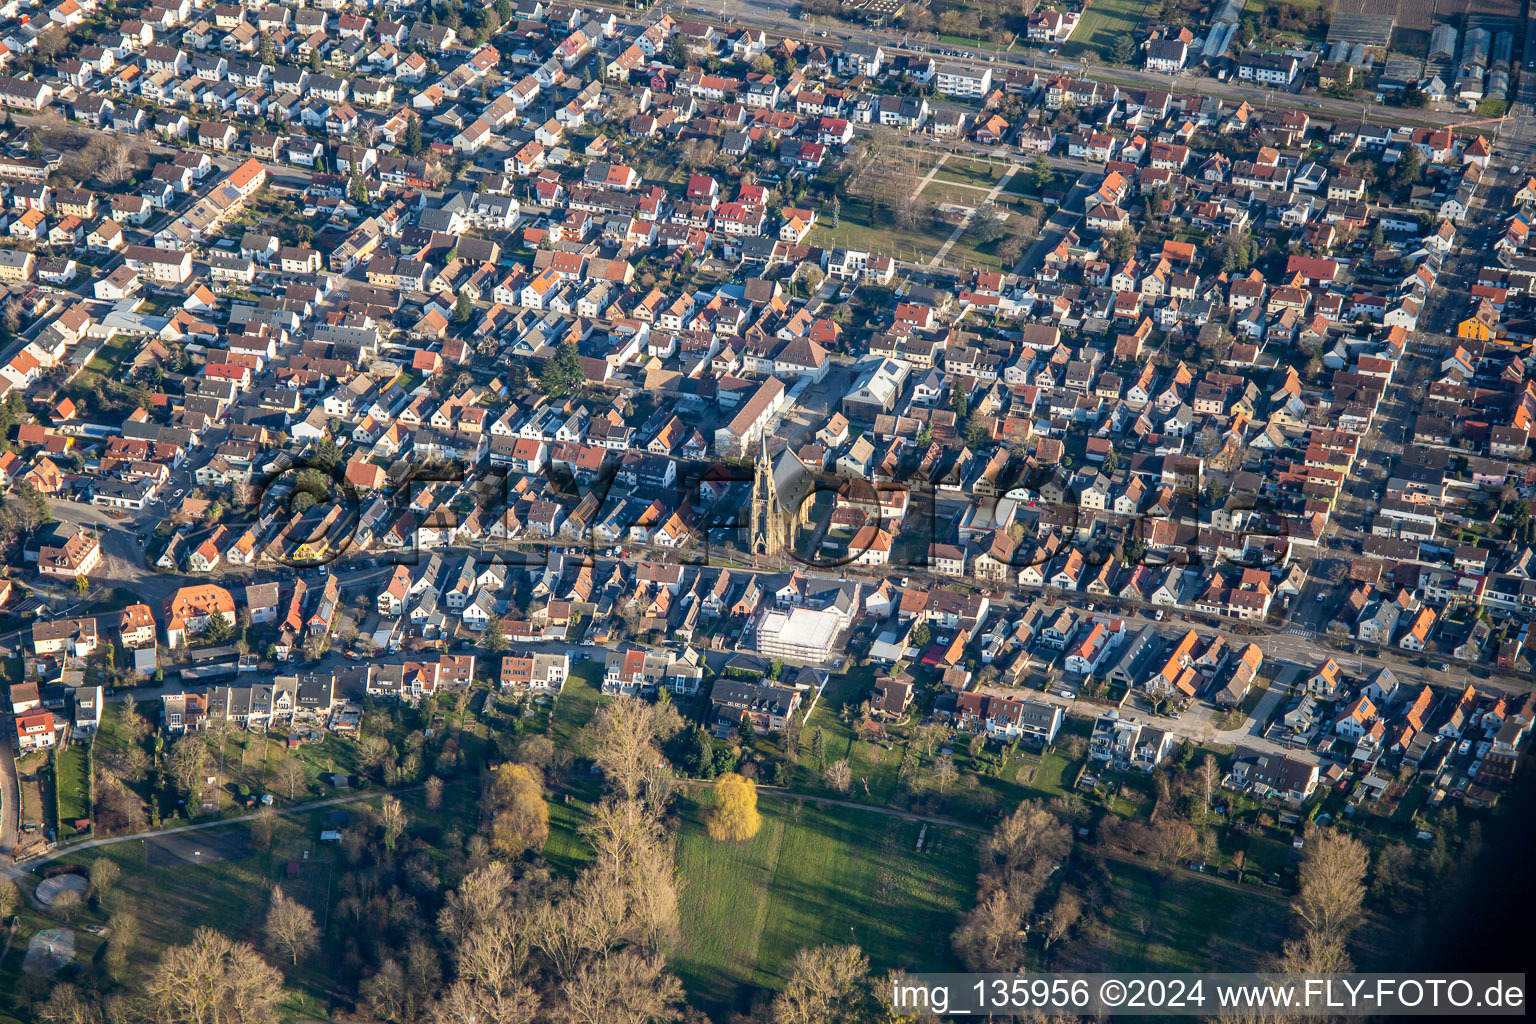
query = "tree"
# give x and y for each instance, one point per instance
(625, 988)
(1409, 169)
(987, 223)
(676, 51)
(1210, 775)
(733, 817)
(266, 52)
(495, 635)
(291, 777)
(412, 141)
(357, 188)
(944, 772)
(213, 980)
(623, 739)
(1122, 245)
(826, 984)
(1011, 249)
(836, 211)
(393, 818)
(10, 899)
(290, 926)
(104, 875)
(122, 936)
(819, 746)
(839, 775)
(1064, 915)
(562, 374)
(1332, 884)
(82, 585)
(189, 765)
(314, 61)
(1041, 172)
(519, 816)
(1123, 50)
(463, 308)
(434, 793)
(68, 1005)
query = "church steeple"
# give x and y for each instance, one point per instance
(769, 527)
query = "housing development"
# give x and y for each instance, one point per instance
(534, 512)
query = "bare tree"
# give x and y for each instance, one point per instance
(68, 1005)
(434, 793)
(989, 932)
(104, 875)
(393, 819)
(625, 988)
(213, 979)
(130, 724)
(122, 936)
(822, 982)
(10, 899)
(465, 1004)
(290, 926)
(189, 765)
(1332, 885)
(1064, 915)
(839, 775)
(944, 772)
(1210, 775)
(624, 739)
(291, 777)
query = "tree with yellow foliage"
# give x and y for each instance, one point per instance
(733, 815)
(519, 816)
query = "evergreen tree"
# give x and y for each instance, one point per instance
(562, 372)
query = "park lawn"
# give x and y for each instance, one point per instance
(971, 172)
(814, 876)
(74, 798)
(969, 253)
(855, 231)
(1103, 23)
(1185, 922)
(957, 194)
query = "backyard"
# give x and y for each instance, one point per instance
(1104, 22)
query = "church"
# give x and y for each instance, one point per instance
(780, 491)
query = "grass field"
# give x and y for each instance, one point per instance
(74, 800)
(1103, 23)
(1181, 922)
(855, 231)
(172, 902)
(971, 172)
(814, 876)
